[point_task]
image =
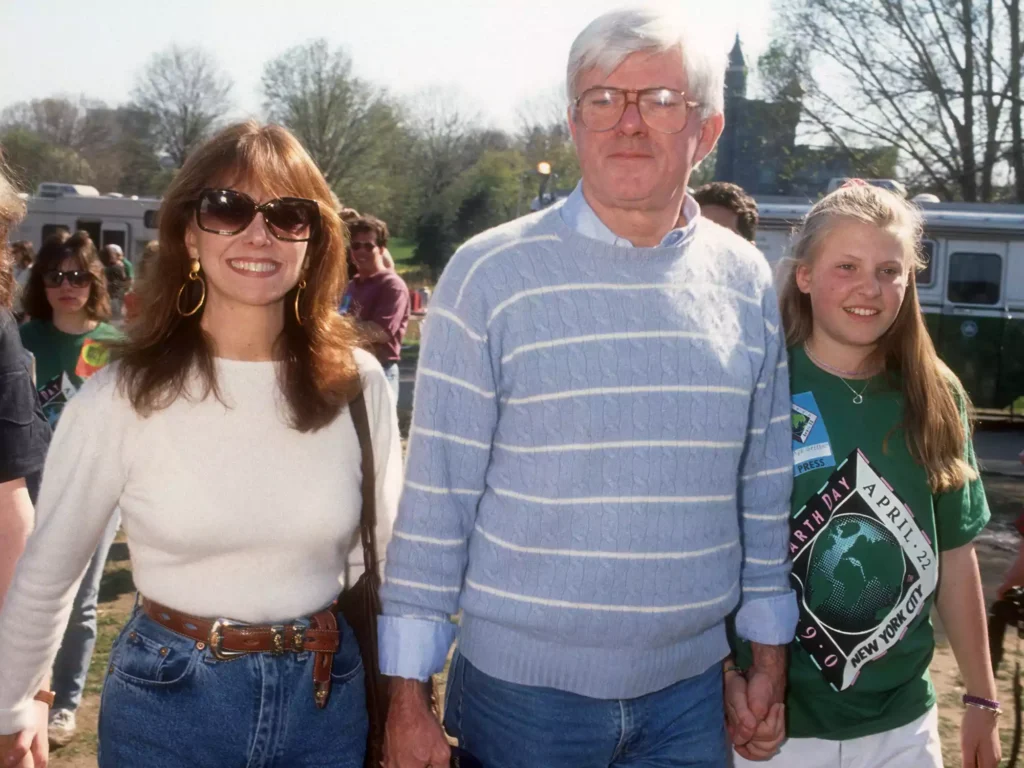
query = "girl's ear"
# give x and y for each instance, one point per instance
(802, 274)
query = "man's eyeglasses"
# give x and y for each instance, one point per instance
(662, 109)
(368, 247)
(228, 212)
(77, 278)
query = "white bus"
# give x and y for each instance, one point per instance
(109, 219)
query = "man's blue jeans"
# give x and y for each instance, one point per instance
(71, 666)
(505, 725)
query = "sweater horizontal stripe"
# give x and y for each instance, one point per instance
(599, 461)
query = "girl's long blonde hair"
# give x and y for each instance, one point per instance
(932, 424)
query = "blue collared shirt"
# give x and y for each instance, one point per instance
(578, 215)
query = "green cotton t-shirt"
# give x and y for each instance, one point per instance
(65, 360)
(865, 531)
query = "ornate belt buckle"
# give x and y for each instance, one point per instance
(216, 639)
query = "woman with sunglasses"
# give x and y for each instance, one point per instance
(226, 432)
(67, 299)
(68, 302)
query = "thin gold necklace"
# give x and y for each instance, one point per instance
(858, 397)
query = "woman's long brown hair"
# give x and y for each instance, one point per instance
(932, 423)
(165, 350)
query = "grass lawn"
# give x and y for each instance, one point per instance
(401, 250)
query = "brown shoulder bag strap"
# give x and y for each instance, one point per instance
(368, 518)
(367, 590)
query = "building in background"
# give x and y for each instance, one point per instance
(758, 148)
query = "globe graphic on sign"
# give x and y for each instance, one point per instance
(856, 574)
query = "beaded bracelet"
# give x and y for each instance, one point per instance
(987, 704)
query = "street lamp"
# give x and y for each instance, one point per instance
(544, 171)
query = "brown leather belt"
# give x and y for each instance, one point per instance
(228, 639)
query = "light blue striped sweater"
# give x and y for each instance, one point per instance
(600, 462)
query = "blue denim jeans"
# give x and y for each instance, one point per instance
(71, 666)
(168, 703)
(505, 725)
(392, 374)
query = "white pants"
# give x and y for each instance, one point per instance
(915, 745)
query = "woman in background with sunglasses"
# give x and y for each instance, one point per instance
(226, 433)
(67, 299)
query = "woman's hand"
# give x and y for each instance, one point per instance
(768, 736)
(30, 748)
(979, 739)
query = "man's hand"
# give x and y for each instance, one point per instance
(740, 722)
(30, 748)
(766, 679)
(413, 738)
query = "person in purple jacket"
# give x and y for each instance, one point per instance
(377, 297)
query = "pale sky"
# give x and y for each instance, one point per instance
(498, 54)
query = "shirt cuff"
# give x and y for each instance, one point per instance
(768, 620)
(413, 649)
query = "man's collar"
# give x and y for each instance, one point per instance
(580, 217)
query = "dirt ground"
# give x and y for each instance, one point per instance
(996, 548)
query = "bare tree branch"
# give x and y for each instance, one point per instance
(186, 93)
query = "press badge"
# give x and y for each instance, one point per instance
(811, 447)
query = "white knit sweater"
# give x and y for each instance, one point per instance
(229, 512)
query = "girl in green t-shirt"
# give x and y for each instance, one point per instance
(69, 305)
(886, 504)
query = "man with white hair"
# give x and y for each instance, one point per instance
(600, 458)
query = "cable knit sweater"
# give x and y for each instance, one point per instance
(600, 463)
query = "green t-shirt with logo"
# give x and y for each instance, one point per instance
(864, 535)
(65, 360)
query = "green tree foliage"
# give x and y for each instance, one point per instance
(350, 128)
(33, 159)
(57, 139)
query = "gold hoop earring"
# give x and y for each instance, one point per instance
(193, 275)
(298, 293)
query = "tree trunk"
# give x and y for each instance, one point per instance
(992, 109)
(1016, 53)
(969, 179)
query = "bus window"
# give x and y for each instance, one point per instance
(53, 229)
(92, 227)
(927, 275)
(116, 237)
(149, 219)
(974, 278)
